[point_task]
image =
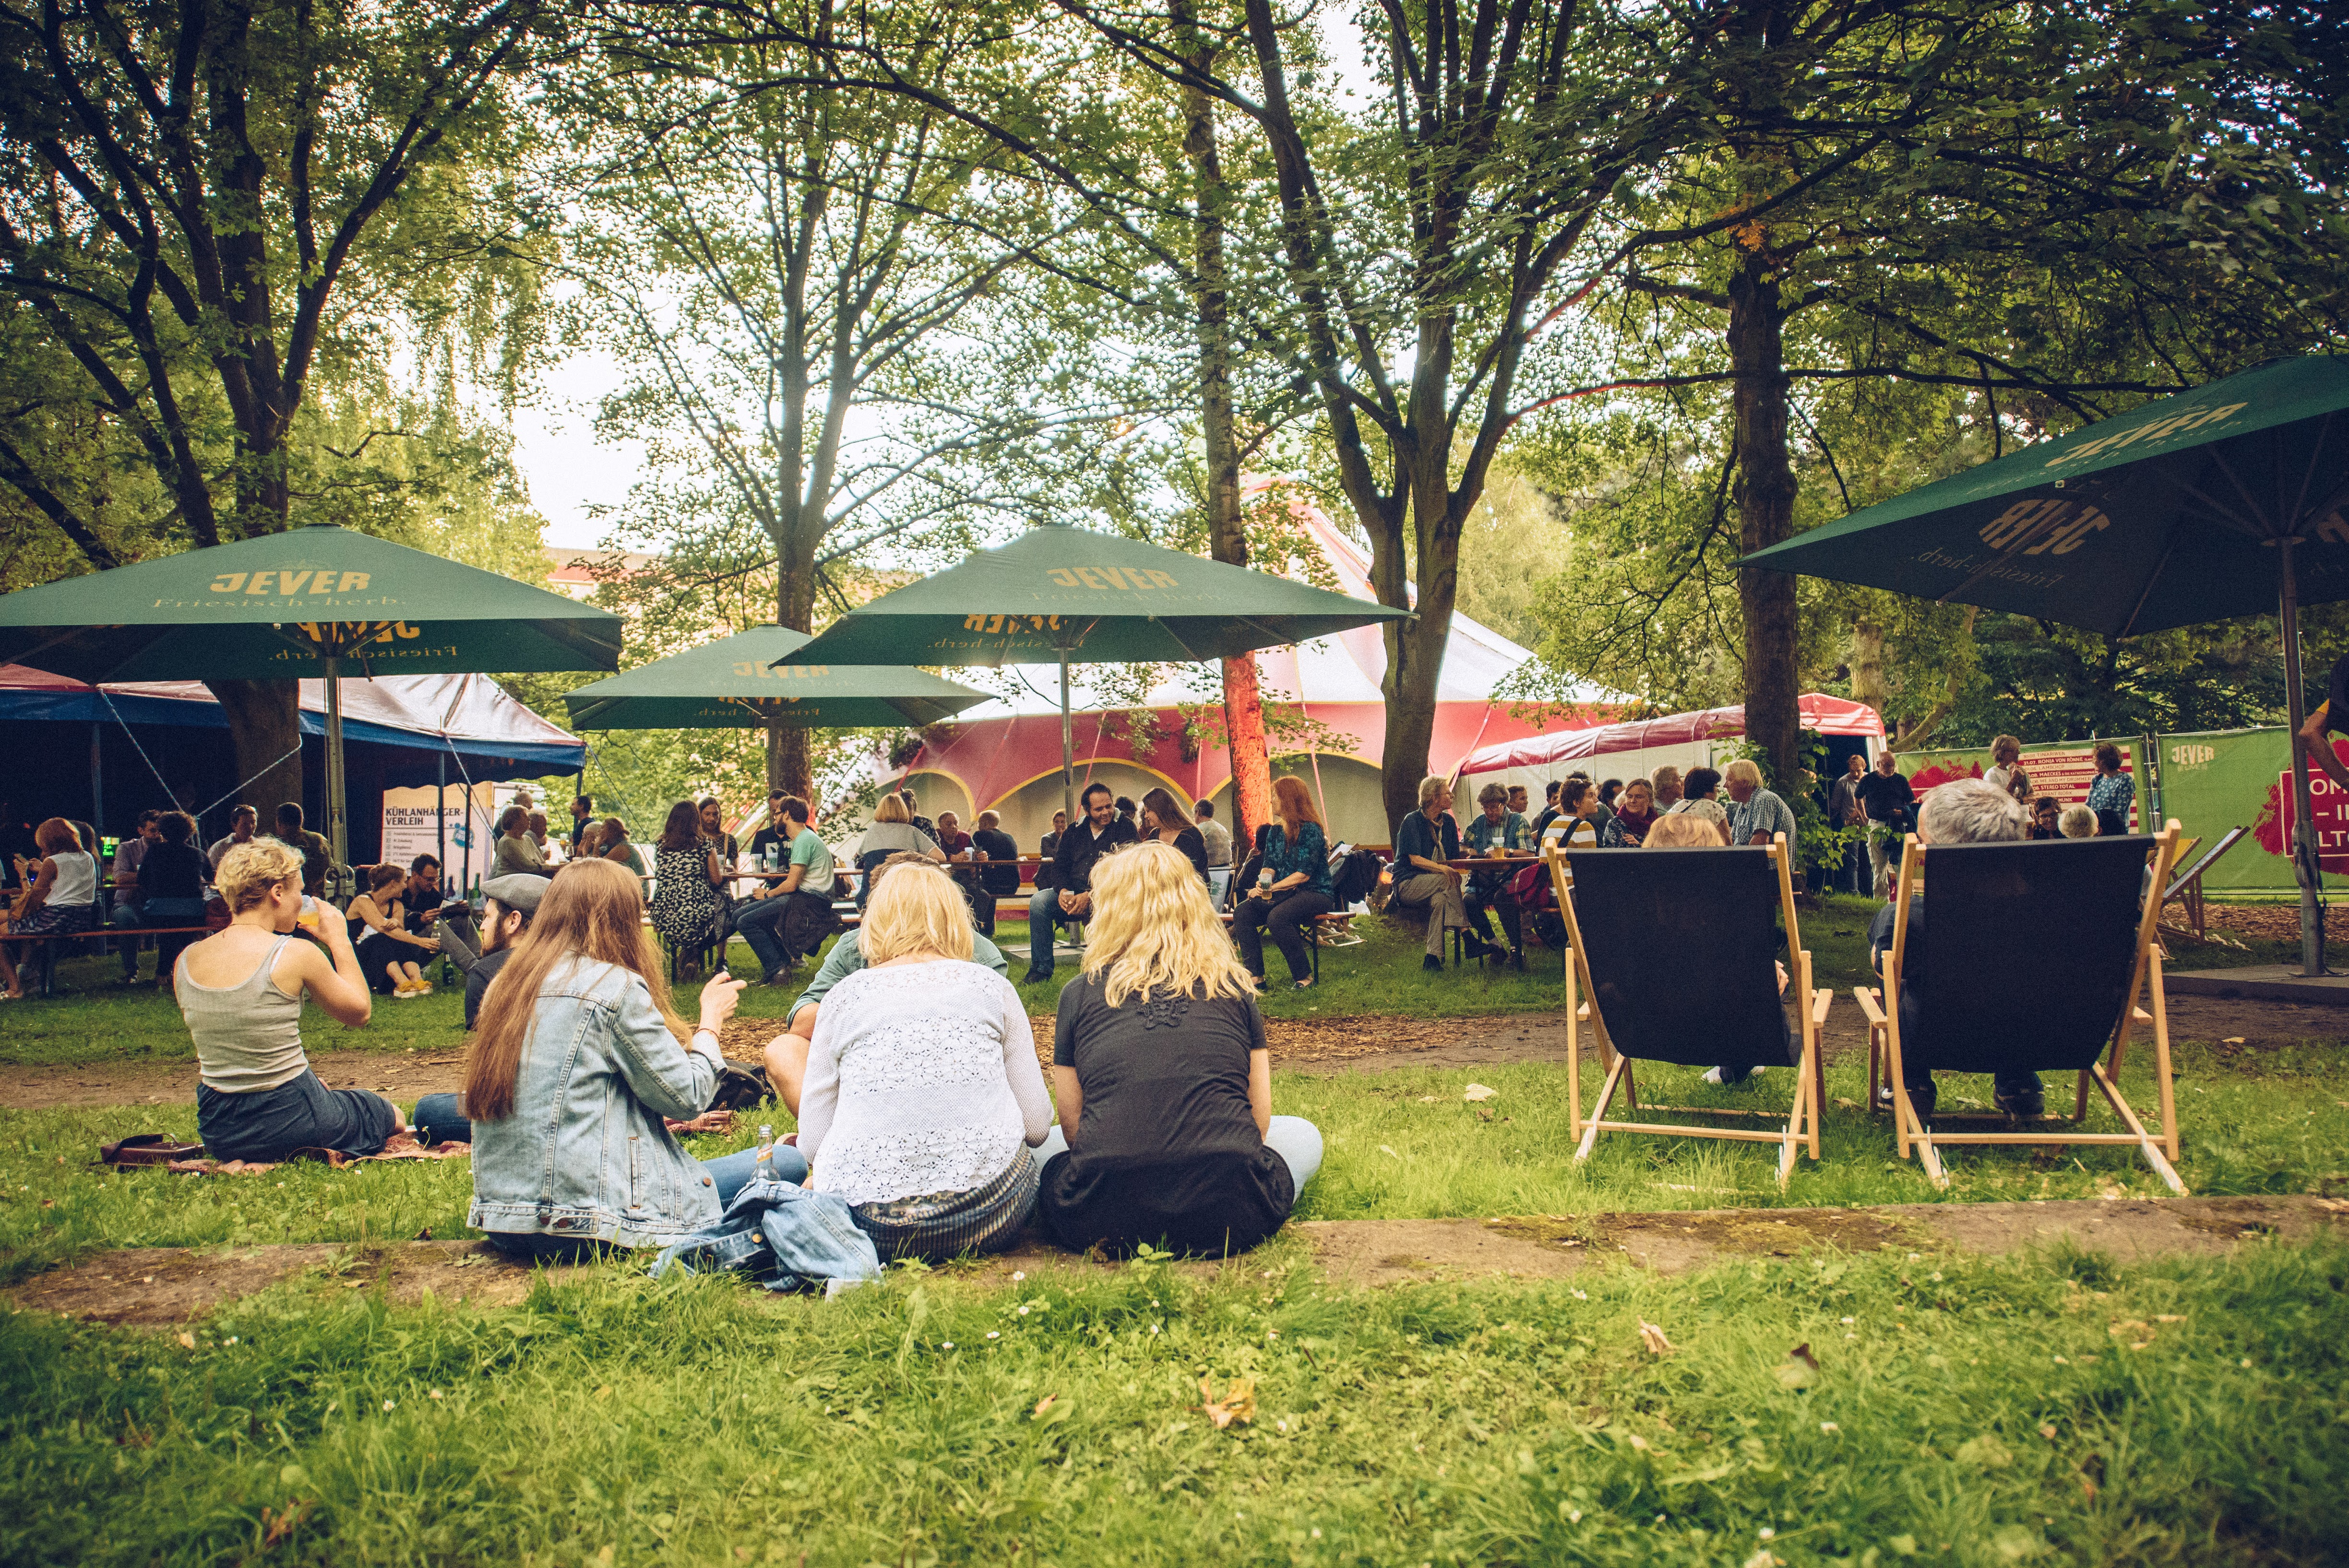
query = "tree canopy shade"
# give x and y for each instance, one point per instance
(737, 683)
(2165, 516)
(1059, 593)
(278, 607)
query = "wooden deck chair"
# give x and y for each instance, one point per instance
(2038, 953)
(1676, 952)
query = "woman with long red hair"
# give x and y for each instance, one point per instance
(1293, 890)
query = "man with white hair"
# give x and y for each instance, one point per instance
(1963, 811)
(1755, 814)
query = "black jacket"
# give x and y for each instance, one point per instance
(1079, 849)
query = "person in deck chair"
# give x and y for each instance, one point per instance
(1963, 811)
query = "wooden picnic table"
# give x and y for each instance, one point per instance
(1493, 862)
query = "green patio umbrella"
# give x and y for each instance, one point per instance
(1058, 595)
(735, 683)
(310, 602)
(2223, 501)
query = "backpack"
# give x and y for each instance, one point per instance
(1355, 876)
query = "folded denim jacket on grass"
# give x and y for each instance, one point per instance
(587, 1150)
(783, 1235)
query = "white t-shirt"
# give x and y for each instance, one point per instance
(922, 1079)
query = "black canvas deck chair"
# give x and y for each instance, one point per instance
(2032, 961)
(1676, 951)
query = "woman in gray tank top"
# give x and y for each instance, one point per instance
(241, 992)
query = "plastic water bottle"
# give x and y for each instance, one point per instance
(1264, 880)
(766, 1153)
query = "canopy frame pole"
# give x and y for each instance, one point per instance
(440, 822)
(338, 833)
(1067, 749)
(2306, 866)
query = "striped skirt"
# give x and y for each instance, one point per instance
(941, 1225)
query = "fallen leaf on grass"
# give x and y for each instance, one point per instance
(2232, 1040)
(1237, 1406)
(1478, 1091)
(2048, 1432)
(1803, 1353)
(279, 1523)
(1653, 1338)
(187, 1339)
(1801, 1370)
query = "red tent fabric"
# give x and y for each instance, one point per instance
(1826, 714)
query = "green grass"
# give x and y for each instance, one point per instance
(1964, 1411)
(1402, 1144)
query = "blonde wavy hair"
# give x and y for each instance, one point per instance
(1154, 929)
(248, 871)
(915, 909)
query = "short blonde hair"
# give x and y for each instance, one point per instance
(1155, 929)
(1681, 830)
(2005, 749)
(1744, 769)
(916, 909)
(1429, 786)
(248, 871)
(891, 809)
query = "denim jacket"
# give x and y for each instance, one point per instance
(783, 1235)
(586, 1152)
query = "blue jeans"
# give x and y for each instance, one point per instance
(757, 922)
(437, 1119)
(1045, 918)
(1297, 1141)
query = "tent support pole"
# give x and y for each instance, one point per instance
(440, 822)
(97, 778)
(2306, 866)
(1067, 749)
(338, 833)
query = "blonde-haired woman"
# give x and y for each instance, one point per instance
(1293, 889)
(578, 1061)
(1166, 1133)
(241, 992)
(923, 1102)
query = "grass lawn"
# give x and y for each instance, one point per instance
(1962, 1409)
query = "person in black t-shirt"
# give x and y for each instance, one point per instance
(1888, 799)
(1166, 1134)
(1048, 873)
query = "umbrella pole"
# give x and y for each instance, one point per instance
(2304, 862)
(1067, 749)
(336, 834)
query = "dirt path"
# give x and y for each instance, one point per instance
(1369, 1042)
(154, 1286)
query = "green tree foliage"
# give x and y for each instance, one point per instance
(207, 211)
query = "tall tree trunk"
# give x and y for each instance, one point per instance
(1766, 513)
(1414, 660)
(1226, 539)
(264, 736)
(1867, 662)
(787, 744)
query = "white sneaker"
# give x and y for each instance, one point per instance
(1711, 1075)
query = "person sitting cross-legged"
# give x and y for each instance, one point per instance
(1165, 1134)
(1426, 841)
(240, 991)
(1962, 812)
(579, 1063)
(923, 1102)
(1069, 901)
(1295, 891)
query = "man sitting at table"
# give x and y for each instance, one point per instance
(1071, 901)
(1497, 826)
(786, 1055)
(998, 873)
(1427, 840)
(787, 919)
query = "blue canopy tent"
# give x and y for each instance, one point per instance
(107, 753)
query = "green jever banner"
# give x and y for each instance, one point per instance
(2209, 782)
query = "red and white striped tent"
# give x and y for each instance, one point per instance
(1006, 755)
(1638, 748)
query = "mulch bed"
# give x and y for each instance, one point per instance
(2273, 922)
